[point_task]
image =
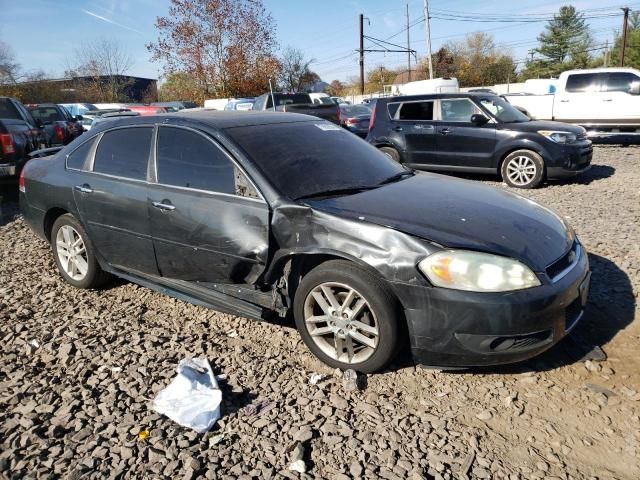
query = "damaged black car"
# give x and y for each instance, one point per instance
(259, 213)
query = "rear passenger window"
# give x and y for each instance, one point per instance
(187, 159)
(583, 82)
(76, 159)
(415, 111)
(124, 152)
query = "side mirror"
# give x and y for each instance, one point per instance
(634, 89)
(478, 119)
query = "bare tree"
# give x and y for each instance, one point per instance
(103, 62)
(295, 74)
(225, 45)
(9, 68)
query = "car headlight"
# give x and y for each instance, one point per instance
(558, 137)
(477, 272)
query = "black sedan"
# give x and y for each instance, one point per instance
(355, 118)
(256, 213)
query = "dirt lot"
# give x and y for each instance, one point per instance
(78, 370)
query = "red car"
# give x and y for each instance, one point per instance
(145, 110)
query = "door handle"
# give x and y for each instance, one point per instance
(564, 101)
(83, 188)
(164, 206)
(397, 129)
(445, 131)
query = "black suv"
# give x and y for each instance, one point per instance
(479, 133)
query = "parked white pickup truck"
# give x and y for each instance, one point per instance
(605, 101)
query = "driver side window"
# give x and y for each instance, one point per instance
(457, 110)
(189, 160)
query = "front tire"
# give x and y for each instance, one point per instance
(347, 317)
(523, 169)
(74, 254)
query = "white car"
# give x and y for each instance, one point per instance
(605, 101)
(321, 98)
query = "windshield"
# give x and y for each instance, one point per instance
(502, 110)
(302, 159)
(355, 110)
(326, 101)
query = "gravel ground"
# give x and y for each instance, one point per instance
(79, 369)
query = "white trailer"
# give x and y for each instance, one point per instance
(422, 87)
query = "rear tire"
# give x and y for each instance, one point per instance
(523, 169)
(347, 317)
(74, 254)
(391, 152)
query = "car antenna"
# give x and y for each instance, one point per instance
(273, 100)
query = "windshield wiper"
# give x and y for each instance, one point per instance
(337, 192)
(398, 176)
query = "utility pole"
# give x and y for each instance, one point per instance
(361, 54)
(381, 81)
(427, 28)
(624, 34)
(531, 52)
(408, 47)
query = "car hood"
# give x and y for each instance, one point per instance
(535, 125)
(460, 214)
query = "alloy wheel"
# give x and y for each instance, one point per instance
(341, 322)
(521, 170)
(72, 253)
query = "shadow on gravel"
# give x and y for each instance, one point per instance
(597, 172)
(610, 309)
(9, 209)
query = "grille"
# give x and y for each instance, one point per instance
(563, 263)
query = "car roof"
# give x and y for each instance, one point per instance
(219, 119)
(428, 96)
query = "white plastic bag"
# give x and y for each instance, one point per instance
(193, 398)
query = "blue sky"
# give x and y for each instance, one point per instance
(43, 33)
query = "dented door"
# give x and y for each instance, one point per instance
(208, 222)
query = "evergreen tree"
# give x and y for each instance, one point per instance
(564, 44)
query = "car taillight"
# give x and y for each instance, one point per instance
(6, 140)
(21, 186)
(351, 121)
(373, 116)
(59, 132)
(339, 115)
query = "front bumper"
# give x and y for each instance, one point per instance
(570, 160)
(452, 328)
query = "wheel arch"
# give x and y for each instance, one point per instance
(50, 218)
(529, 146)
(293, 265)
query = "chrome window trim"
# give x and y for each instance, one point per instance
(216, 145)
(153, 155)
